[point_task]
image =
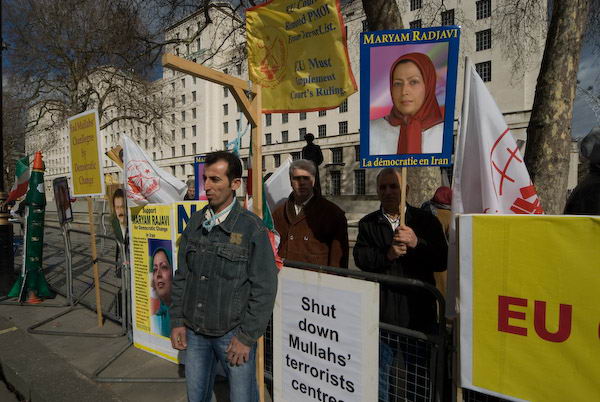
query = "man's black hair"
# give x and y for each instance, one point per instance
(309, 137)
(234, 165)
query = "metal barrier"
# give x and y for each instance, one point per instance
(417, 360)
(474, 396)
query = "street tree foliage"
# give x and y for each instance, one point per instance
(73, 55)
(13, 123)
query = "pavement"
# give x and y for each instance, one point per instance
(57, 368)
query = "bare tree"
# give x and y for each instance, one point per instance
(74, 55)
(549, 131)
(13, 130)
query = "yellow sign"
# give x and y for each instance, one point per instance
(297, 52)
(530, 312)
(86, 162)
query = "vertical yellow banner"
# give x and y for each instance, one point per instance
(297, 52)
(86, 161)
(535, 307)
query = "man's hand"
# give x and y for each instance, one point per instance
(237, 352)
(397, 249)
(406, 236)
(178, 338)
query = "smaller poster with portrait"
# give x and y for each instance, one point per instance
(62, 198)
(200, 192)
(407, 101)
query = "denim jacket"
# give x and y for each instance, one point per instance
(226, 278)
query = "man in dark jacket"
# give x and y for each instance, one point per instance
(312, 229)
(415, 251)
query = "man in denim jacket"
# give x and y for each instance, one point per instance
(224, 288)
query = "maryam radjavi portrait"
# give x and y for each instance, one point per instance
(408, 88)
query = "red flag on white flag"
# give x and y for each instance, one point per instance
(489, 172)
(145, 182)
(490, 175)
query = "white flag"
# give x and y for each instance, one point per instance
(489, 173)
(490, 176)
(145, 182)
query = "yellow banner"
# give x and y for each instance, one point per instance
(86, 162)
(297, 52)
(534, 308)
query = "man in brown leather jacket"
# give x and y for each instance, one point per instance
(312, 229)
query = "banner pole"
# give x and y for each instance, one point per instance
(402, 196)
(257, 201)
(94, 258)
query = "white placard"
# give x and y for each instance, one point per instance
(325, 338)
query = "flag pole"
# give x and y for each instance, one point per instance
(457, 208)
(402, 196)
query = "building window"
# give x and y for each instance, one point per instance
(295, 156)
(173, 118)
(172, 135)
(344, 106)
(359, 182)
(245, 162)
(484, 70)
(302, 115)
(225, 71)
(193, 131)
(268, 119)
(415, 4)
(343, 127)
(301, 133)
(238, 124)
(225, 92)
(284, 136)
(322, 130)
(225, 110)
(483, 39)
(225, 144)
(483, 8)
(337, 155)
(183, 115)
(183, 99)
(277, 160)
(172, 102)
(153, 157)
(173, 86)
(336, 183)
(284, 118)
(173, 152)
(183, 150)
(238, 69)
(365, 25)
(322, 113)
(264, 163)
(448, 17)
(193, 113)
(416, 24)
(182, 132)
(268, 139)
(226, 127)
(357, 153)
(194, 95)
(194, 148)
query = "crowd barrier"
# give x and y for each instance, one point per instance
(419, 362)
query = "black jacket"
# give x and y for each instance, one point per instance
(585, 198)
(410, 308)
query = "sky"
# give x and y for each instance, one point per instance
(584, 118)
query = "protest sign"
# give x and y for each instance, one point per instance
(297, 52)
(155, 230)
(407, 97)
(86, 163)
(200, 192)
(325, 338)
(529, 308)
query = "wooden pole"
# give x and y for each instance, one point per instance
(257, 201)
(402, 196)
(95, 259)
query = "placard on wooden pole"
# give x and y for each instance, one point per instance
(249, 98)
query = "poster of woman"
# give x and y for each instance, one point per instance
(408, 87)
(161, 281)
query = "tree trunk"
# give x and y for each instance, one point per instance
(422, 182)
(549, 131)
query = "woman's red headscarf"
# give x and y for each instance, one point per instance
(430, 113)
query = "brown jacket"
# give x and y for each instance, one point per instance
(317, 235)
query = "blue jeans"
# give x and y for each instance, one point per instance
(203, 355)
